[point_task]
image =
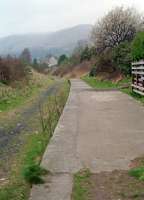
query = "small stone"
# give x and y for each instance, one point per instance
(2, 179)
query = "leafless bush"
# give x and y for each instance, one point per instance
(12, 69)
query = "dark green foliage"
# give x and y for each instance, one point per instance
(93, 51)
(40, 67)
(35, 62)
(137, 173)
(86, 54)
(33, 173)
(25, 56)
(36, 65)
(104, 62)
(62, 59)
(93, 72)
(138, 47)
(122, 57)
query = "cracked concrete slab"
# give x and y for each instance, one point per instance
(56, 187)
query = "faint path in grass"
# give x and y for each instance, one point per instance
(10, 140)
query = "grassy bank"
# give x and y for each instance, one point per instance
(11, 97)
(105, 84)
(136, 96)
(17, 187)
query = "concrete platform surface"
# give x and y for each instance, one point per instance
(99, 130)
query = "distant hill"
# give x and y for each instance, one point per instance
(55, 43)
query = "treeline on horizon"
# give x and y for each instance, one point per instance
(117, 40)
(14, 68)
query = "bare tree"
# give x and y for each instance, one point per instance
(117, 26)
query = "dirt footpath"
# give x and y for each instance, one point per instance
(11, 137)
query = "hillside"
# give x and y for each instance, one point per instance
(41, 44)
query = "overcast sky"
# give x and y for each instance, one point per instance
(26, 16)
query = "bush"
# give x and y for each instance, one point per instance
(138, 47)
(137, 173)
(122, 57)
(12, 69)
(63, 58)
(93, 72)
(33, 173)
(86, 54)
(104, 62)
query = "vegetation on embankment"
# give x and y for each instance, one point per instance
(98, 83)
(117, 41)
(118, 184)
(124, 85)
(18, 186)
(21, 91)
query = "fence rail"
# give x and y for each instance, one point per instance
(138, 77)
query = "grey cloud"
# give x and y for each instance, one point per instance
(22, 16)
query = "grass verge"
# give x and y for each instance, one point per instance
(11, 97)
(99, 84)
(117, 184)
(136, 96)
(17, 187)
(105, 84)
(81, 185)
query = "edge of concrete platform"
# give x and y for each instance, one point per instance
(61, 153)
(60, 157)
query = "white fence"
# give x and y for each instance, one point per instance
(138, 77)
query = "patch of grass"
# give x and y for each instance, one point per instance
(81, 185)
(18, 188)
(105, 84)
(98, 84)
(133, 94)
(26, 168)
(33, 174)
(11, 97)
(137, 173)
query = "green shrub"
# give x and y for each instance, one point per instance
(93, 72)
(138, 47)
(86, 54)
(122, 57)
(104, 61)
(62, 59)
(137, 173)
(33, 173)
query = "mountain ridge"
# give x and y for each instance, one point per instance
(40, 44)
